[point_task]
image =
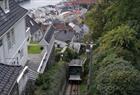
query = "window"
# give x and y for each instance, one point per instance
(27, 29)
(5, 5)
(13, 36)
(21, 53)
(0, 43)
(17, 61)
(10, 38)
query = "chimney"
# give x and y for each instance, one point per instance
(4, 4)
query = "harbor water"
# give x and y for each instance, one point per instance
(33, 4)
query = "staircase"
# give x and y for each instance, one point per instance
(33, 75)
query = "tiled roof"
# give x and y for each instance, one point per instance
(62, 26)
(64, 36)
(54, 21)
(34, 27)
(10, 18)
(60, 35)
(8, 76)
(65, 33)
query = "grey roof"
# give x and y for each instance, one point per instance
(64, 36)
(76, 62)
(8, 76)
(65, 9)
(60, 35)
(54, 21)
(49, 34)
(34, 27)
(10, 18)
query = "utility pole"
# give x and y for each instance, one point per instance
(90, 64)
(89, 52)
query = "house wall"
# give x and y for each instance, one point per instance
(37, 36)
(22, 84)
(12, 56)
(50, 46)
(75, 46)
(15, 90)
(49, 49)
(60, 43)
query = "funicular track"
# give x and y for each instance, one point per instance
(73, 89)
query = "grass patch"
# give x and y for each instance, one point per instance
(35, 49)
(83, 89)
(32, 42)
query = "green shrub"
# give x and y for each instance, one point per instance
(51, 81)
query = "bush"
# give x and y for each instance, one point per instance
(109, 65)
(118, 79)
(69, 55)
(115, 27)
(51, 82)
(117, 38)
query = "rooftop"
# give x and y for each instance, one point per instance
(34, 27)
(74, 77)
(62, 26)
(8, 77)
(83, 1)
(7, 20)
(76, 62)
(64, 36)
(49, 34)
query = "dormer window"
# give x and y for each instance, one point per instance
(0, 42)
(31, 23)
(4, 4)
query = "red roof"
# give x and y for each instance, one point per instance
(77, 11)
(84, 1)
(62, 26)
(68, 4)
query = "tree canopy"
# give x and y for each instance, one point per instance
(115, 27)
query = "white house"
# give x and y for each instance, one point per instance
(75, 27)
(33, 30)
(48, 42)
(67, 34)
(13, 48)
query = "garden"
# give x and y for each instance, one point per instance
(34, 48)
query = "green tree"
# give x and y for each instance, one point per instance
(122, 36)
(70, 54)
(118, 79)
(115, 26)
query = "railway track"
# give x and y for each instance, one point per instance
(72, 89)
